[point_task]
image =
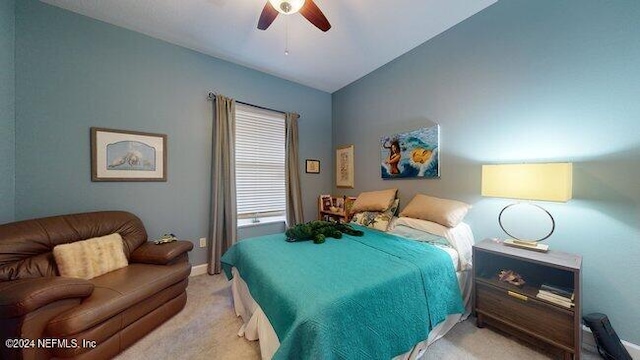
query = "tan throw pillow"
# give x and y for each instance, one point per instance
(442, 211)
(90, 258)
(374, 201)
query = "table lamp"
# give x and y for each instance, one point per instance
(546, 182)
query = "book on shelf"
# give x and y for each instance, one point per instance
(562, 298)
(558, 290)
(564, 303)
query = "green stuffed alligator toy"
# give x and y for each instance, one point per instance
(318, 231)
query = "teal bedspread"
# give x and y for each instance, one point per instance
(370, 297)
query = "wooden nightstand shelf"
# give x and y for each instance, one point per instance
(517, 310)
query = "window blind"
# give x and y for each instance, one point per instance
(260, 182)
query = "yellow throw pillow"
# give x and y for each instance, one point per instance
(374, 201)
(442, 211)
(87, 259)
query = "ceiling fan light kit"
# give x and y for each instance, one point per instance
(287, 6)
(307, 8)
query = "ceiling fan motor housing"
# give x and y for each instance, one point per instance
(287, 6)
(307, 8)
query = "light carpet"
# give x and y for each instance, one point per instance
(207, 329)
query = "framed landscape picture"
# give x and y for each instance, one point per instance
(119, 155)
(413, 154)
(344, 167)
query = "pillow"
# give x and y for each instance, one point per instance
(460, 237)
(374, 201)
(376, 219)
(419, 235)
(422, 225)
(443, 211)
(87, 259)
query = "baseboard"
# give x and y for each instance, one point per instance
(198, 270)
(589, 343)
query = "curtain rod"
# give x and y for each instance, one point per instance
(212, 96)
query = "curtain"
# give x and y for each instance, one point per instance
(292, 174)
(223, 215)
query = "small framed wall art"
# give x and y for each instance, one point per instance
(119, 155)
(344, 167)
(312, 166)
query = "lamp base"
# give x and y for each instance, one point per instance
(529, 245)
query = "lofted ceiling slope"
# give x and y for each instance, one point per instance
(365, 34)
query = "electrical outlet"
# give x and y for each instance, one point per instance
(203, 242)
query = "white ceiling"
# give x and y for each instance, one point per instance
(365, 34)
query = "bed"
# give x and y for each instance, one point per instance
(382, 295)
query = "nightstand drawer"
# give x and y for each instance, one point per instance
(546, 320)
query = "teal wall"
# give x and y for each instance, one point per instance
(7, 110)
(525, 81)
(73, 72)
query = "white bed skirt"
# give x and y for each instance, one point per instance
(257, 326)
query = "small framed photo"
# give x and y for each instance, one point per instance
(340, 203)
(119, 155)
(312, 166)
(326, 202)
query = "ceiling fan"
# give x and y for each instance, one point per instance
(307, 8)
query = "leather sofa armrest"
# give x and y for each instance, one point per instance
(162, 254)
(19, 297)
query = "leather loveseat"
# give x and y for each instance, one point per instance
(44, 315)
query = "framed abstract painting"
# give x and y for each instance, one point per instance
(119, 155)
(413, 154)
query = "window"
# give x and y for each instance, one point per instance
(260, 157)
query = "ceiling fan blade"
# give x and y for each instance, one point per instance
(269, 14)
(312, 13)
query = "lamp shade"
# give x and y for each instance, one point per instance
(547, 182)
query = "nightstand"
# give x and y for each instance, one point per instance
(516, 309)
